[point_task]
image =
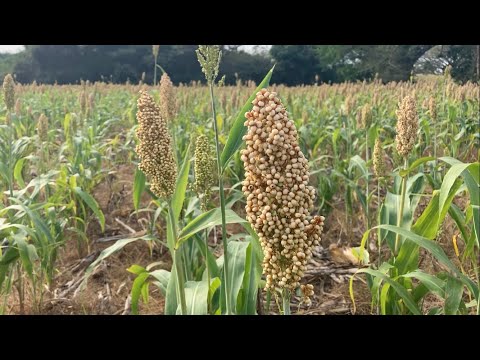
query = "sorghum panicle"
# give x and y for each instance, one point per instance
(209, 57)
(378, 160)
(9, 92)
(407, 126)
(154, 148)
(366, 115)
(204, 170)
(155, 49)
(168, 107)
(42, 127)
(279, 199)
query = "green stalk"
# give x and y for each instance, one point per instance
(286, 302)
(20, 288)
(268, 301)
(379, 243)
(11, 134)
(378, 221)
(435, 151)
(222, 207)
(402, 206)
(178, 263)
(155, 72)
(367, 178)
(208, 270)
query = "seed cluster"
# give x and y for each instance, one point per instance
(366, 116)
(378, 160)
(9, 92)
(167, 98)
(407, 125)
(204, 170)
(279, 199)
(349, 104)
(209, 57)
(155, 49)
(154, 148)
(42, 127)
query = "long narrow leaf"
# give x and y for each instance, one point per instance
(238, 129)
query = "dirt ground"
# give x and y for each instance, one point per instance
(107, 291)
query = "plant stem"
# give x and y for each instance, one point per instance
(177, 255)
(286, 302)
(12, 136)
(268, 301)
(402, 206)
(20, 289)
(379, 242)
(367, 178)
(155, 73)
(208, 270)
(222, 207)
(435, 150)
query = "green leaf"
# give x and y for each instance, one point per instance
(145, 291)
(453, 295)
(457, 216)
(214, 286)
(430, 220)
(137, 289)
(212, 264)
(238, 129)
(196, 295)
(472, 180)
(434, 249)
(407, 298)
(372, 135)
(136, 269)
(248, 299)
(92, 204)
(171, 303)
(206, 220)
(358, 162)
(17, 172)
(40, 226)
(448, 181)
(138, 187)
(162, 276)
(10, 256)
(416, 164)
(25, 254)
(432, 283)
(170, 238)
(181, 186)
(389, 215)
(237, 256)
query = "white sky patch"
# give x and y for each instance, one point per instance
(11, 48)
(254, 48)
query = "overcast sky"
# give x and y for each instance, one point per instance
(17, 48)
(10, 48)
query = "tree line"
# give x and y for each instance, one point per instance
(295, 64)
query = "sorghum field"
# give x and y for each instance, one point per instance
(354, 198)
